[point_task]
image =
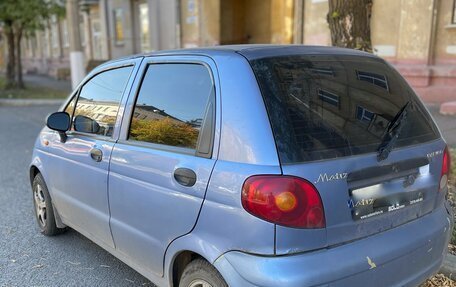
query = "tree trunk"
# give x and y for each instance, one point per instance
(349, 23)
(20, 81)
(11, 62)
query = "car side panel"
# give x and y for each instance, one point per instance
(149, 209)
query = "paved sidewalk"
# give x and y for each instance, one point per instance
(446, 124)
(45, 81)
(30, 102)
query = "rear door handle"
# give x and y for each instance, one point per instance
(96, 154)
(185, 176)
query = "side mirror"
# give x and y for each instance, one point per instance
(60, 122)
(86, 125)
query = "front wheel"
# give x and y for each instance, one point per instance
(44, 211)
(199, 273)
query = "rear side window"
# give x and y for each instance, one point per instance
(171, 105)
(98, 102)
(325, 106)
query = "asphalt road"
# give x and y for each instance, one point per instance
(28, 258)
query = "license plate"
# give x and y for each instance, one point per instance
(364, 205)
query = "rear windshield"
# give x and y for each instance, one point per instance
(326, 106)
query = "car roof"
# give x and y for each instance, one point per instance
(256, 51)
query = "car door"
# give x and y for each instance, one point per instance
(78, 169)
(161, 165)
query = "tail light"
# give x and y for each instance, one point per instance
(446, 166)
(284, 200)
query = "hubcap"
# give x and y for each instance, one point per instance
(40, 205)
(200, 283)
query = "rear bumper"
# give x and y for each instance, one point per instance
(403, 256)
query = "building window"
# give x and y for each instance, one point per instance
(328, 97)
(376, 79)
(364, 115)
(54, 33)
(65, 37)
(118, 27)
(322, 71)
(144, 27)
(82, 30)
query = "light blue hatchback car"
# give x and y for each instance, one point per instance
(249, 166)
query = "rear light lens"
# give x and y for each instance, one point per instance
(284, 200)
(446, 166)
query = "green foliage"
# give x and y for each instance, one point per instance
(164, 131)
(335, 15)
(28, 15)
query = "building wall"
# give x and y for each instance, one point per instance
(445, 45)
(385, 18)
(258, 21)
(414, 35)
(126, 43)
(282, 21)
(99, 28)
(316, 31)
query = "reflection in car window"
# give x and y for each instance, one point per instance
(329, 106)
(376, 79)
(171, 104)
(98, 103)
(70, 107)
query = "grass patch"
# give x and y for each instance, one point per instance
(30, 92)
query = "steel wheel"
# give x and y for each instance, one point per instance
(40, 205)
(200, 283)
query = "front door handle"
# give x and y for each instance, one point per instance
(185, 176)
(96, 154)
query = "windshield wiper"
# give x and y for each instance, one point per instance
(392, 133)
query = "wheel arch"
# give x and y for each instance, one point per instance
(184, 250)
(34, 170)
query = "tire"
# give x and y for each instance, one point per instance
(200, 273)
(43, 208)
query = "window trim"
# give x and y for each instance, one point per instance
(328, 97)
(78, 93)
(374, 77)
(207, 132)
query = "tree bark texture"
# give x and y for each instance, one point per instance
(349, 23)
(19, 79)
(11, 62)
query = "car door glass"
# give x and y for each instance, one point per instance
(98, 103)
(69, 109)
(171, 105)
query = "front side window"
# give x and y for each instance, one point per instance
(98, 102)
(171, 105)
(69, 109)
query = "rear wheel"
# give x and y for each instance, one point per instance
(44, 211)
(199, 273)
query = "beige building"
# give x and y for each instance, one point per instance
(417, 36)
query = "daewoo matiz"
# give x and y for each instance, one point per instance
(249, 166)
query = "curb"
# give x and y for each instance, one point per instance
(449, 266)
(448, 109)
(30, 102)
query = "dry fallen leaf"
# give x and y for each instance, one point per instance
(439, 280)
